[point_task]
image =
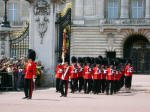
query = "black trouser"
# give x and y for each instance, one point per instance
(128, 80)
(28, 85)
(116, 85)
(58, 84)
(103, 81)
(80, 83)
(64, 87)
(122, 81)
(110, 86)
(87, 85)
(96, 86)
(74, 84)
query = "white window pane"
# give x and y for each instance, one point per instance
(110, 4)
(116, 4)
(134, 13)
(140, 4)
(134, 4)
(140, 13)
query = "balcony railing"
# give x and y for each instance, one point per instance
(125, 22)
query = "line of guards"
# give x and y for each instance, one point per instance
(98, 75)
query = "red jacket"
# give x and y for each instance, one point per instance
(59, 71)
(65, 75)
(73, 71)
(116, 75)
(87, 72)
(103, 72)
(96, 73)
(128, 71)
(30, 70)
(110, 74)
(80, 71)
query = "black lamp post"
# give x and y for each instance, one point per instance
(5, 23)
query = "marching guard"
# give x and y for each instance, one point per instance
(30, 74)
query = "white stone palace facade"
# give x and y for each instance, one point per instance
(101, 26)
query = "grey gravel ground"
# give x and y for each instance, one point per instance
(47, 100)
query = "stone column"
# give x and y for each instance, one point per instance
(31, 26)
(100, 8)
(124, 9)
(78, 9)
(147, 13)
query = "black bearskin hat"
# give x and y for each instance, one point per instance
(129, 61)
(92, 60)
(31, 54)
(97, 61)
(67, 59)
(59, 60)
(80, 60)
(73, 59)
(87, 60)
(100, 57)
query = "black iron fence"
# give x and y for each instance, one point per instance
(19, 46)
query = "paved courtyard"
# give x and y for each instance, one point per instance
(46, 100)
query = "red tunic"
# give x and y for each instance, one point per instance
(110, 74)
(80, 71)
(73, 71)
(65, 75)
(59, 71)
(103, 72)
(87, 72)
(128, 71)
(96, 73)
(116, 75)
(30, 70)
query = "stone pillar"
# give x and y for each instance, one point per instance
(7, 46)
(78, 9)
(147, 13)
(31, 26)
(100, 8)
(124, 9)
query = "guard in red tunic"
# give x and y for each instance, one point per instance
(110, 79)
(73, 74)
(103, 72)
(87, 73)
(96, 77)
(30, 74)
(64, 79)
(128, 75)
(80, 74)
(59, 71)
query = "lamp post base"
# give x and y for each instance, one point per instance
(5, 24)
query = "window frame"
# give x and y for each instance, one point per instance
(13, 12)
(143, 11)
(106, 8)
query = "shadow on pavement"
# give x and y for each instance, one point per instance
(83, 97)
(46, 99)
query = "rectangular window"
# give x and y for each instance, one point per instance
(12, 12)
(113, 9)
(137, 9)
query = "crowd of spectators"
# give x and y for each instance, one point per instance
(12, 73)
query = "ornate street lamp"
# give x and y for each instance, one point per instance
(5, 23)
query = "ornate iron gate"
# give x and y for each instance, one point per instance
(19, 46)
(64, 27)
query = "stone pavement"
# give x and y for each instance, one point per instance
(46, 100)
